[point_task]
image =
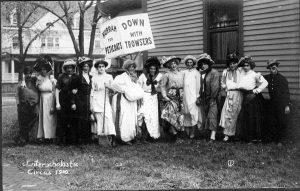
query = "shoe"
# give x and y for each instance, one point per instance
(128, 143)
(279, 144)
(211, 141)
(226, 139)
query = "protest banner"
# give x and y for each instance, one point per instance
(126, 34)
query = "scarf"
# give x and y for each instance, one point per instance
(133, 77)
(232, 74)
(152, 82)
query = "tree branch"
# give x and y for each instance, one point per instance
(89, 5)
(28, 16)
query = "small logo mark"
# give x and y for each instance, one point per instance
(230, 163)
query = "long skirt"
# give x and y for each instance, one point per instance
(125, 117)
(230, 112)
(251, 117)
(172, 110)
(47, 120)
(109, 127)
(149, 112)
(28, 120)
(210, 116)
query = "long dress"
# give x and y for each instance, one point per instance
(233, 101)
(252, 112)
(97, 105)
(149, 109)
(47, 120)
(82, 102)
(172, 86)
(125, 108)
(191, 89)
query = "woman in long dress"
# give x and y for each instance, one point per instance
(172, 92)
(124, 103)
(100, 92)
(191, 89)
(81, 87)
(233, 102)
(150, 107)
(46, 87)
(251, 84)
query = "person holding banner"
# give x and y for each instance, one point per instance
(102, 120)
(172, 92)
(191, 88)
(150, 106)
(124, 103)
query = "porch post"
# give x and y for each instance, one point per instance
(12, 71)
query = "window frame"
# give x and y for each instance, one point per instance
(207, 31)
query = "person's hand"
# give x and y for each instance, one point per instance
(287, 109)
(58, 107)
(74, 91)
(52, 111)
(255, 91)
(167, 99)
(92, 117)
(73, 107)
(106, 85)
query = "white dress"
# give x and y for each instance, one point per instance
(149, 108)
(97, 105)
(47, 121)
(126, 127)
(191, 89)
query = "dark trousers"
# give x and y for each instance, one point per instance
(28, 118)
(66, 123)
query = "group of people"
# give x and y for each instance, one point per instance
(79, 108)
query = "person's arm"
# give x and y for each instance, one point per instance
(261, 83)
(215, 86)
(73, 87)
(285, 94)
(18, 93)
(223, 79)
(119, 84)
(163, 83)
(57, 90)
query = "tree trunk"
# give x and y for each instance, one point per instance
(93, 31)
(20, 33)
(81, 33)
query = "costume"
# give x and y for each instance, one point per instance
(150, 105)
(27, 101)
(47, 116)
(97, 106)
(233, 101)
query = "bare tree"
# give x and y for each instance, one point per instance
(25, 16)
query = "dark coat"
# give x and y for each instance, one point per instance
(278, 90)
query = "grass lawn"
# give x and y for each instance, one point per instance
(190, 164)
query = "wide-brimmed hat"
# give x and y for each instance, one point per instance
(152, 61)
(166, 61)
(246, 59)
(42, 63)
(271, 63)
(204, 58)
(85, 60)
(100, 62)
(128, 63)
(190, 57)
(68, 62)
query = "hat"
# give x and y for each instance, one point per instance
(190, 57)
(246, 59)
(128, 63)
(68, 62)
(168, 60)
(42, 63)
(152, 61)
(100, 62)
(204, 58)
(270, 63)
(232, 58)
(85, 60)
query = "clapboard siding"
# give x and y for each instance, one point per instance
(177, 27)
(271, 30)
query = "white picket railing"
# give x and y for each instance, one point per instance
(9, 78)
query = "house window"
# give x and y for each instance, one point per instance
(50, 42)
(13, 18)
(15, 42)
(222, 26)
(97, 43)
(57, 42)
(43, 42)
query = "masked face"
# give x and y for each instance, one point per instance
(233, 65)
(101, 68)
(69, 70)
(273, 69)
(152, 70)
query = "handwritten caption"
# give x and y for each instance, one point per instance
(49, 168)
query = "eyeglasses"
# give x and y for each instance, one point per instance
(246, 65)
(101, 66)
(273, 68)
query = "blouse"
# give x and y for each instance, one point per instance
(250, 80)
